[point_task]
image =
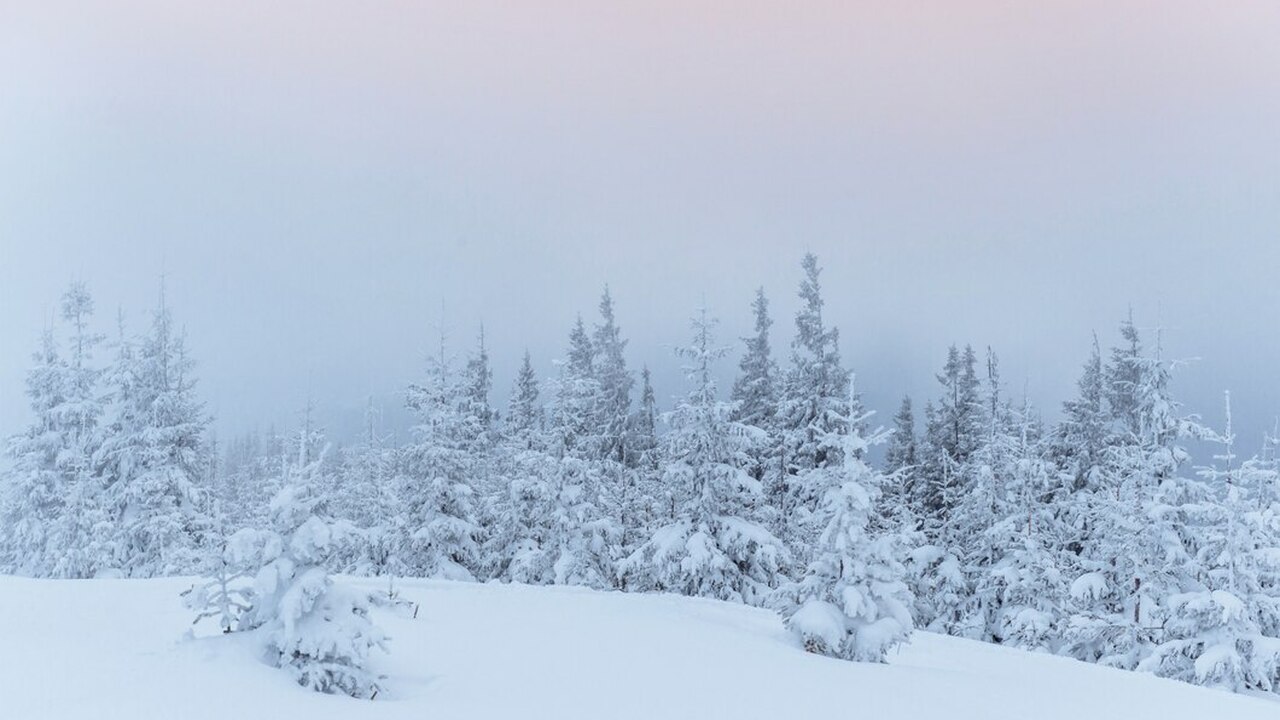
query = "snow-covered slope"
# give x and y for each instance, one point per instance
(103, 649)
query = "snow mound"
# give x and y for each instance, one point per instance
(115, 649)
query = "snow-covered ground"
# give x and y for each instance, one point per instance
(103, 649)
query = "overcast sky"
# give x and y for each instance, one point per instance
(317, 180)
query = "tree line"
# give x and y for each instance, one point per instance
(1097, 537)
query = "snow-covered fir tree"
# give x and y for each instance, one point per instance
(813, 407)
(1026, 582)
(952, 434)
(712, 548)
(755, 391)
(852, 602)
(517, 550)
(80, 532)
(1141, 551)
(1080, 444)
(440, 533)
(901, 492)
(582, 541)
(367, 496)
(52, 519)
(646, 454)
(609, 365)
(154, 457)
(624, 492)
(983, 476)
(1214, 631)
(35, 489)
(480, 435)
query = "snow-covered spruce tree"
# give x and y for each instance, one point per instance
(614, 383)
(853, 602)
(524, 505)
(1258, 478)
(1080, 443)
(479, 435)
(440, 532)
(1080, 452)
(1026, 581)
(581, 541)
(901, 493)
(247, 478)
(712, 549)
(51, 505)
(367, 497)
(813, 406)
(317, 630)
(647, 458)
(1122, 378)
(1213, 634)
(755, 391)
(154, 459)
(952, 433)
(35, 491)
(624, 492)
(987, 472)
(526, 418)
(1141, 553)
(80, 532)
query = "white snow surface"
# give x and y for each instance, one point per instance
(106, 649)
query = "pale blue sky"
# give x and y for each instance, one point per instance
(317, 178)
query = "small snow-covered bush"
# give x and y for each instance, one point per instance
(317, 630)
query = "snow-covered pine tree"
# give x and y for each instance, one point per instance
(1141, 553)
(479, 435)
(319, 631)
(35, 491)
(613, 381)
(441, 535)
(813, 405)
(953, 432)
(901, 495)
(1080, 442)
(526, 419)
(249, 471)
(852, 602)
(1258, 480)
(1080, 452)
(1122, 378)
(712, 549)
(582, 542)
(1213, 634)
(901, 451)
(154, 455)
(367, 498)
(623, 492)
(755, 392)
(647, 456)
(52, 519)
(986, 473)
(1026, 578)
(524, 505)
(80, 532)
